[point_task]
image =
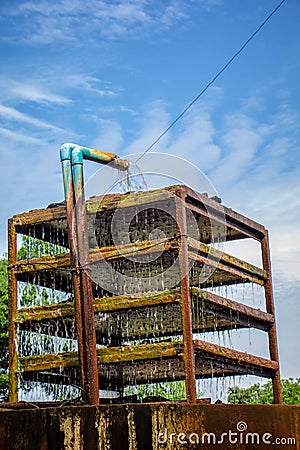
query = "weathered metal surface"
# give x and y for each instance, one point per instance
(273, 347)
(144, 316)
(141, 314)
(86, 334)
(12, 312)
(225, 258)
(244, 226)
(151, 427)
(228, 269)
(156, 362)
(186, 303)
(235, 314)
(236, 224)
(234, 355)
(203, 303)
(81, 286)
(86, 326)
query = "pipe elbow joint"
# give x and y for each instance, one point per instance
(77, 155)
(66, 151)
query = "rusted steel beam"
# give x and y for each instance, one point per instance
(201, 252)
(12, 313)
(114, 201)
(210, 313)
(246, 314)
(46, 262)
(38, 216)
(150, 299)
(270, 307)
(46, 312)
(236, 275)
(125, 302)
(106, 304)
(202, 204)
(211, 359)
(127, 250)
(93, 205)
(48, 362)
(185, 301)
(105, 355)
(216, 255)
(234, 355)
(49, 262)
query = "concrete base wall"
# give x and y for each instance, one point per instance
(150, 427)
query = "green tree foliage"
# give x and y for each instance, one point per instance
(263, 394)
(32, 294)
(174, 390)
(33, 248)
(3, 330)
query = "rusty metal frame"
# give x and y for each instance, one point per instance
(227, 361)
(245, 227)
(12, 312)
(242, 227)
(185, 301)
(270, 307)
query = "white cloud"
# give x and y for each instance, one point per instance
(76, 19)
(35, 93)
(89, 83)
(195, 141)
(152, 123)
(14, 115)
(19, 137)
(240, 142)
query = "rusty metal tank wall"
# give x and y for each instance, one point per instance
(150, 427)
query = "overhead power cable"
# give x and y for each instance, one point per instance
(236, 54)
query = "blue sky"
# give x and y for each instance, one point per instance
(113, 75)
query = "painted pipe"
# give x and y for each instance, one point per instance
(65, 158)
(81, 153)
(72, 157)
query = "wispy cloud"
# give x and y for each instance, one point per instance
(68, 20)
(90, 83)
(19, 137)
(240, 143)
(13, 114)
(36, 94)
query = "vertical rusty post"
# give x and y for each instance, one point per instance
(89, 353)
(185, 301)
(69, 196)
(273, 347)
(72, 156)
(90, 391)
(12, 312)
